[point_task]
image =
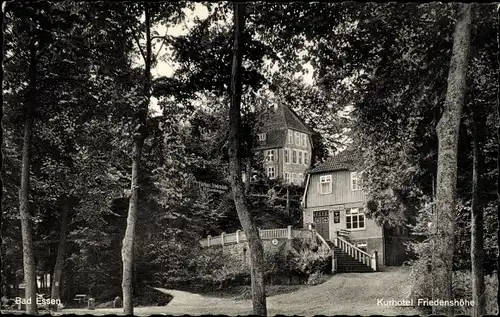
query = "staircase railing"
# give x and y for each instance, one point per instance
(323, 241)
(357, 253)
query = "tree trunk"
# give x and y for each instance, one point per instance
(252, 233)
(28, 255)
(55, 279)
(498, 158)
(448, 133)
(139, 136)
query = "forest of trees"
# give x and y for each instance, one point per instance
(102, 153)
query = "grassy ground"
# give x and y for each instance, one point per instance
(347, 294)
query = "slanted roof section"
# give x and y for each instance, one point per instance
(293, 121)
(346, 160)
(281, 117)
(274, 139)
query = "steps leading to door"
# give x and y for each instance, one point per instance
(347, 263)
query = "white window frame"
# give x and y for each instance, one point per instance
(290, 137)
(287, 156)
(271, 170)
(304, 143)
(325, 179)
(299, 157)
(297, 138)
(262, 136)
(294, 178)
(287, 177)
(300, 178)
(350, 214)
(294, 161)
(270, 156)
(306, 158)
(355, 181)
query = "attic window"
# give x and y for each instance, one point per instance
(355, 181)
(325, 183)
(262, 136)
(297, 138)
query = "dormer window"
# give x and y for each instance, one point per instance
(297, 138)
(262, 136)
(304, 140)
(290, 137)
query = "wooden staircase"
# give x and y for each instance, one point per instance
(347, 258)
(348, 264)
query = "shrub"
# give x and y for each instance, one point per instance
(309, 262)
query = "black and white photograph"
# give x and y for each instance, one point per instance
(250, 158)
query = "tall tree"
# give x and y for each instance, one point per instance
(498, 156)
(251, 231)
(447, 133)
(138, 141)
(28, 256)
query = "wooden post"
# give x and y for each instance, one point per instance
(374, 263)
(289, 232)
(209, 238)
(222, 238)
(334, 263)
(237, 236)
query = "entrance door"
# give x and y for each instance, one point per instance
(321, 224)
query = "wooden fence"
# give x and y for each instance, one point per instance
(265, 234)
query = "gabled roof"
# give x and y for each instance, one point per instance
(346, 160)
(275, 121)
(281, 117)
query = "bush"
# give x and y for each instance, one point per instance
(308, 258)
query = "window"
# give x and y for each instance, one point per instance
(294, 156)
(290, 136)
(300, 157)
(262, 136)
(300, 177)
(304, 140)
(270, 156)
(355, 181)
(294, 178)
(271, 172)
(325, 183)
(287, 177)
(306, 158)
(287, 156)
(297, 138)
(355, 218)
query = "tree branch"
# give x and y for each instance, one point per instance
(138, 44)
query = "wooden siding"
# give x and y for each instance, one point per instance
(341, 190)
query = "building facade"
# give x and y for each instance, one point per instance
(284, 144)
(334, 200)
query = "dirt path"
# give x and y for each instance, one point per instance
(348, 294)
